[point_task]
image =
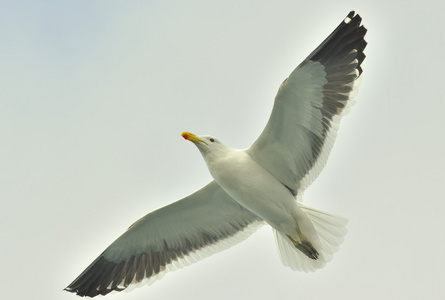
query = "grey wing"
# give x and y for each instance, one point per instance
(299, 135)
(185, 231)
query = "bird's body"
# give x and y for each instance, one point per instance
(255, 188)
(251, 187)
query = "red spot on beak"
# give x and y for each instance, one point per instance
(185, 136)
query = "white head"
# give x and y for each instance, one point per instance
(208, 145)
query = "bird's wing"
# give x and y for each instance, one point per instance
(183, 232)
(299, 135)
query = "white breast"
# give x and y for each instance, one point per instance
(254, 188)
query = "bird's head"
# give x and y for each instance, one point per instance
(205, 143)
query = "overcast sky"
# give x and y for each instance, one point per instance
(94, 96)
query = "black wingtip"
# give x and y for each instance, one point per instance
(350, 15)
(348, 35)
(94, 280)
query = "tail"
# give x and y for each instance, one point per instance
(330, 230)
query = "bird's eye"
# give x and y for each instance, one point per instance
(212, 140)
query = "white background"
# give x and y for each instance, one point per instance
(94, 96)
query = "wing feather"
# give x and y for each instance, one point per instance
(176, 235)
(299, 135)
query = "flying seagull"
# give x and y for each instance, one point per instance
(251, 187)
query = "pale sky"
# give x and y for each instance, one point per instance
(94, 96)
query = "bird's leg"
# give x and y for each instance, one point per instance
(304, 246)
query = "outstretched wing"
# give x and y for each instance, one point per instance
(301, 130)
(183, 232)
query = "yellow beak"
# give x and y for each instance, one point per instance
(192, 137)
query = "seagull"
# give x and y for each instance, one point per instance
(252, 187)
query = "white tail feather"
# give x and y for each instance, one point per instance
(330, 229)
